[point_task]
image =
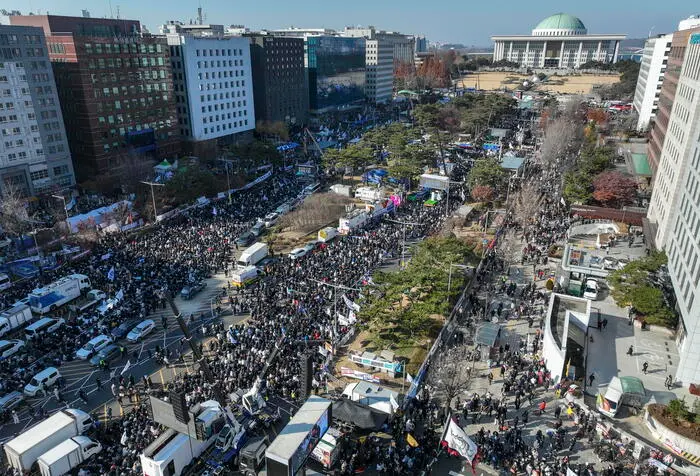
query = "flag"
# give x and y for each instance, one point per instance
(457, 441)
(111, 274)
(120, 295)
(568, 364)
(350, 304)
(409, 379)
(213, 211)
(126, 367)
(563, 202)
(394, 403)
(411, 440)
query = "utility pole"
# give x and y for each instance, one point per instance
(228, 179)
(403, 240)
(153, 197)
(335, 303)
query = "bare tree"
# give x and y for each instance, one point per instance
(14, 214)
(317, 210)
(450, 373)
(561, 138)
(527, 204)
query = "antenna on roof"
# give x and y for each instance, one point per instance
(199, 14)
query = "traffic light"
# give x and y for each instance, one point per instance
(179, 406)
(307, 375)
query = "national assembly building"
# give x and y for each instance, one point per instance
(559, 41)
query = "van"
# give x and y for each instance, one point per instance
(5, 281)
(42, 381)
(42, 326)
(95, 345)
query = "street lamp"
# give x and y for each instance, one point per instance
(65, 208)
(228, 179)
(153, 197)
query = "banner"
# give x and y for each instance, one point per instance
(346, 372)
(351, 305)
(111, 274)
(456, 440)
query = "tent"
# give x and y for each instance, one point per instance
(362, 416)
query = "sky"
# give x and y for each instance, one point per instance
(468, 22)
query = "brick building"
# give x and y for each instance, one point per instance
(116, 91)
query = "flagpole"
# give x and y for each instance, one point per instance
(403, 382)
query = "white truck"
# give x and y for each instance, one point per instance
(352, 221)
(243, 276)
(67, 455)
(24, 450)
(252, 255)
(327, 234)
(92, 298)
(14, 317)
(58, 293)
(172, 452)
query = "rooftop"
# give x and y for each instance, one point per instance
(560, 22)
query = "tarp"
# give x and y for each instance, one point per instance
(362, 416)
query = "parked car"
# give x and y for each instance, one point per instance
(10, 347)
(246, 239)
(190, 290)
(141, 330)
(93, 346)
(270, 219)
(108, 354)
(591, 289)
(297, 253)
(123, 329)
(10, 401)
(311, 245)
(609, 262)
(258, 229)
(42, 381)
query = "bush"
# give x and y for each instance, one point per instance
(678, 410)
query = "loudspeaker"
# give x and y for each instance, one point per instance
(307, 375)
(180, 406)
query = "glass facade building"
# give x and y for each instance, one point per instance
(336, 71)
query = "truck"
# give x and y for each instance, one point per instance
(228, 443)
(172, 452)
(244, 276)
(627, 391)
(252, 255)
(58, 293)
(252, 456)
(67, 455)
(92, 298)
(14, 317)
(370, 194)
(23, 451)
(327, 234)
(435, 182)
(353, 220)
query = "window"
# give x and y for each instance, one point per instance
(39, 174)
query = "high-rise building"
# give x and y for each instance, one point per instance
(667, 95)
(651, 74)
(677, 191)
(421, 44)
(34, 153)
(379, 80)
(116, 91)
(281, 90)
(213, 90)
(336, 71)
(404, 45)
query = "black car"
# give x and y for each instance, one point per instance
(108, 354)
(123, 329)
(246, 239)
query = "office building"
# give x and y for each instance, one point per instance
(421, 44)
(213, 90)
(404, 45)
(677, 190)
(379, 77)
(558, 41)
(116, 91)
(293, 32)
(281, 90)
(651, 74)
(668, 90)
(34, 153)
(336, 69)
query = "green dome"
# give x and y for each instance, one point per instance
(563, 23)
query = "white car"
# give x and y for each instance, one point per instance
(93, 346)
(590, 291)
(297, 253)
(10, 347)
(609, 263)
(271, 219)
(141, 330)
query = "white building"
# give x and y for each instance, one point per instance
(213, 89)
(676, 199)
(379, 81)
(34, 154)
(651, 74)
(558, 41)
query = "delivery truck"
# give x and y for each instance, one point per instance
(92, 298)
(252, 255)
(12, 318)
(67, 455)
(327, 234)
(243, 276)
(58, 293)
(352, 221)
(628, 391)
(23, 451)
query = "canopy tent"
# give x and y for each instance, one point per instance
(362, 416)
(487, 334)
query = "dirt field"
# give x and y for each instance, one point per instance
(559, 84)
